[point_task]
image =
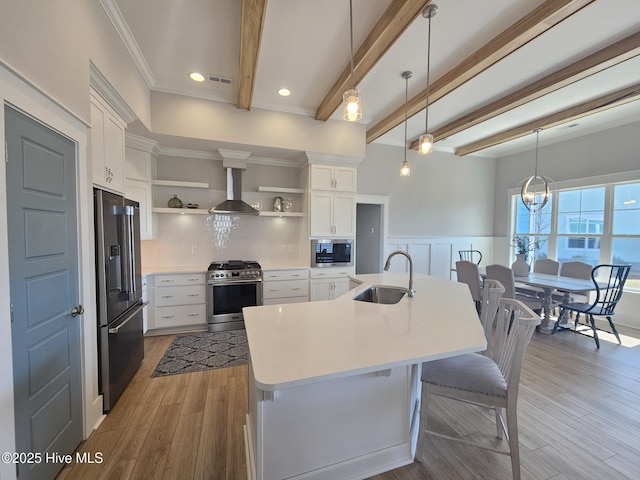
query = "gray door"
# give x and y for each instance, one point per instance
(43, 269)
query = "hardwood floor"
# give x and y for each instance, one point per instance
(578, 415)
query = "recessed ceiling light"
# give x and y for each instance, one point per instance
(198, 77)
(284, 92)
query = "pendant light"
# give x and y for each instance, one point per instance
(352, 111)
(405, 170)
(535, 191)
(425, 143)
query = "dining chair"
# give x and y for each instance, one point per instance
(574, 269)
(470, 255)
(604, 304)
(492, 291)
(467, 272)
(487, 380)
(505, 276)
(541, 265)
(547, 266)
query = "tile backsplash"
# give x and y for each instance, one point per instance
(197, 240)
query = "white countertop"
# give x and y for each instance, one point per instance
(303, 343)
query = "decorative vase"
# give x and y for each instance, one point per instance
(175, 202)
(520, 267)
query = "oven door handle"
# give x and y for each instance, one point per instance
(233, 282)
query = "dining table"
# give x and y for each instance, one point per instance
(549, 283)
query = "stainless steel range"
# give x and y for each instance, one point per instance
(232, 285)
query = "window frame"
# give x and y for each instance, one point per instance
(606, 238)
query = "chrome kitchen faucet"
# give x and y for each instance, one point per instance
(387, 264)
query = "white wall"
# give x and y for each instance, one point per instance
(51, 44)
(444, 196)
(209, 120)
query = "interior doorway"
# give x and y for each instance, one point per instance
(371, 220)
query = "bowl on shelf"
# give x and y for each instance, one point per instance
(192, 205)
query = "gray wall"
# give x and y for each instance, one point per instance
(609, 151)
(444, 196)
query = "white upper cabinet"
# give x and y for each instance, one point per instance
(332, 214)
(332, 201)
(328, 177)
(140, 169)
(107, 145)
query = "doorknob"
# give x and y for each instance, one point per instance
(78, 310)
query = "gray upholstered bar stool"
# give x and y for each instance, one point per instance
(487, 380)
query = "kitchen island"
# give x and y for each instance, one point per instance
(334, 386)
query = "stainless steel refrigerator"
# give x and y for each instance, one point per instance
(119, 292)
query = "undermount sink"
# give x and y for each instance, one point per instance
(381, 294)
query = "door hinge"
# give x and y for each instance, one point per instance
(6, 152)
(12, 316)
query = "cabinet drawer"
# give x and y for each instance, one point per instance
(285, 288)
(180, 279)
(177, 316)
(285, 274)
(179, 295)
(332, 272)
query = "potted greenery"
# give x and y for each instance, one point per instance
(524, 245)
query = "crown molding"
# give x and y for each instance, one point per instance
(115, 15)
(329, 159)
(102, 86)
(186, 153)
(141, 143)
(274, 162)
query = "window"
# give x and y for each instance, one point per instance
(597, 224)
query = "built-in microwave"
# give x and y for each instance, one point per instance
(332, 252)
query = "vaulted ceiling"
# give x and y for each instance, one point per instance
(500, 69)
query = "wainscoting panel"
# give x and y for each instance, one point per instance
(436, 256)
(441, 259)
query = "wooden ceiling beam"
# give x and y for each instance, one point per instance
(614, 54)
(395, 20)
(600, 104)
(252, 21)
(533, 24)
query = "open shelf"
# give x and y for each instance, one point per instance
(281, 214)
(280, 190)
(183, 211)
(202, 211)
(175, 183)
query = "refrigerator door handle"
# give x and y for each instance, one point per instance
(128, 270)
(129, 317)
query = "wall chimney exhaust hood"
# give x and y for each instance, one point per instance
(234, 162)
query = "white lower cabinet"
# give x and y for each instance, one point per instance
(285, 286)
(176, 303)
(329, 283)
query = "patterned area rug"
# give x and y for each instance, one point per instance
(203, 351)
